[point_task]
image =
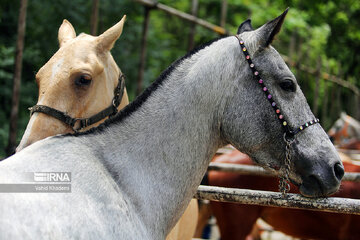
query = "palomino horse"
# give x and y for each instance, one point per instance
(346, 132)
(236, 221)
(102, 74)
(76, 84)
(134, 175)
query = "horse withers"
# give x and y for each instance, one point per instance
(134, 175)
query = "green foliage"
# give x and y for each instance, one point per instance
(325, 31)
(6, 76)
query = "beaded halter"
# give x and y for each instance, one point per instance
(290, 132)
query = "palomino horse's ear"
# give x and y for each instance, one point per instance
(106, 40)
(270, 29)
(66, 32)
(245, 27)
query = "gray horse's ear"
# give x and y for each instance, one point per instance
(245, 27)
(270, 29)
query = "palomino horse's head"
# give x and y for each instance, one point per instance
(345, 129)
(272, 104)
(79, 80)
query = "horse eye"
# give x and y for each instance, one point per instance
(288, 85)
(83, 80)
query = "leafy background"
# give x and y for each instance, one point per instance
(325, 31)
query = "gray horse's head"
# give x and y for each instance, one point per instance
(315, 165)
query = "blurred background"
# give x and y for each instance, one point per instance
(320, 41)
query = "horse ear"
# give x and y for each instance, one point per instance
(66, 32)
(270, 29)
(106, 41)
(245, 27)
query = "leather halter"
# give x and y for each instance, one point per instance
(289, 131)
(85, 122)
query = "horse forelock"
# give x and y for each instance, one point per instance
(253, 41)
(250, 39)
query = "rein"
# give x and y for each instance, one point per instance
(290, 132)
(85, 122)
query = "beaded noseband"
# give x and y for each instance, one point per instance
(290, 132)
(85, 122)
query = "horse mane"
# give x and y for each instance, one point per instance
(141, 99)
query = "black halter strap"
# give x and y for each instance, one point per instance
(85, 122)
(289, 131)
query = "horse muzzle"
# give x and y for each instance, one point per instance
(321, 176)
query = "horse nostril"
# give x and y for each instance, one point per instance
(339, 171)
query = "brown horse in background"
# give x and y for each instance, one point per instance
(346, 132)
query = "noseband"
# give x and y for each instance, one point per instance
(290, 132)
(85, 122)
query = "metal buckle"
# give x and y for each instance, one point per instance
(83, 123)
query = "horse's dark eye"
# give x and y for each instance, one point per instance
(288, 85)
(83, 80)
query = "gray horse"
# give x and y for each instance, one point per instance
(133, 176)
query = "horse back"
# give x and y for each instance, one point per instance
(95, 208)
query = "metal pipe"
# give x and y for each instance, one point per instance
(183, 15)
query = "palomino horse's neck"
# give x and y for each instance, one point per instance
(178, 120)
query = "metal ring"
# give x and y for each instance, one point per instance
(288, 139)
(73, 127)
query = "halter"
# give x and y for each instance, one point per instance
(85, 122)
(290, 133)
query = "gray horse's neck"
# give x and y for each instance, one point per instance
(160, 152)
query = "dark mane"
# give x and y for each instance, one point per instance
(133, 106)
